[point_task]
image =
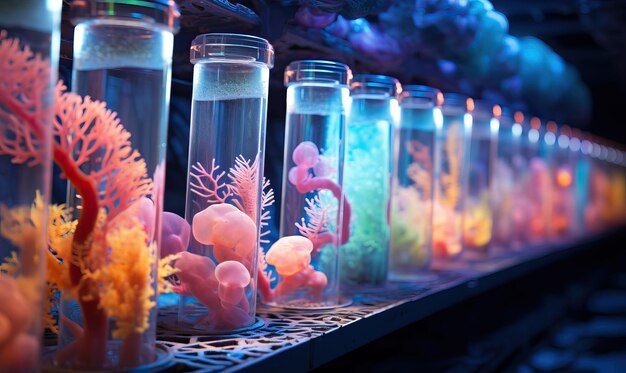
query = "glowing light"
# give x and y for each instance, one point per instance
(595, 150)
(604, 152)
(439, 99)
(586, 147)
(438, 117)
(494, 124)
(470, 104)
(563, 178)
(563, 141)
(396, 115)
(497, 111)
(551, 126)
(516, 129)
(549, 138)
(535, 123)
(612, 155)
(574, 144)
(533, 135)
(467, 122)
(519, 117)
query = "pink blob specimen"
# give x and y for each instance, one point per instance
(21, 355)
(18, 350)
(142, 209)
(233, 278)
(174, 234)
(290, 255)
(232, 232)
(306, 154)
(232, 318)
(292, 176)
(197, 277)
(323, 167)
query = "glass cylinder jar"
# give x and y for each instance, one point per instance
(367, 175)
(520, 216)
(452, 156)
(29, 52)
(414, 183)
(563, 174)
(547, 149)
(537, 182)
(314, 214)
(504, 181)
(217, 274)
(477, 208)
(122, 59)
(580, 186)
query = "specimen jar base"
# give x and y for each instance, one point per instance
(303, 304)
(168, 319)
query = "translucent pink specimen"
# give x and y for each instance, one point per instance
(141, 209)
(233, 278)
(18, 349)
(174, 234)
(232, 233)
(197, 277)
(290, 255)
(306, 154)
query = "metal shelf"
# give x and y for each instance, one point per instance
(303, 340)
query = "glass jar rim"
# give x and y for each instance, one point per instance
(161, 12)
(457, 100)
(317, 71)
(423, 92)
(227, 46)
(382, 84)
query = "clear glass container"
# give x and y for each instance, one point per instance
(520, 216)
(29, 53)
(537, 182)
(504, 180)
(217, 274)
(581, 181)
(314, 214)
(367, 175)
(414, 183)
(547, 150)
(477, 209)
(563, 174)
(122, 58)
(452, 155)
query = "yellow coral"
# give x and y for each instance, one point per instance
(165, 269)
(450, 182)
(11, 265)
(125, 281)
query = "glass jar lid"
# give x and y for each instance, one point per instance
(421, 95)
(231, 47)
(375, 84)
(317, 71)
(161, 12)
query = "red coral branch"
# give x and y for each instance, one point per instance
(211, 189)
(318, 216)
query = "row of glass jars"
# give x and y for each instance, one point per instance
(377, 181)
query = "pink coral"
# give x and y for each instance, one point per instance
(231, 232)
(175, 234)
(209, 184)
(142, 210)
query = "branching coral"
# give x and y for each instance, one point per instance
(213, 189)
(316, 228)
(244, 179)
